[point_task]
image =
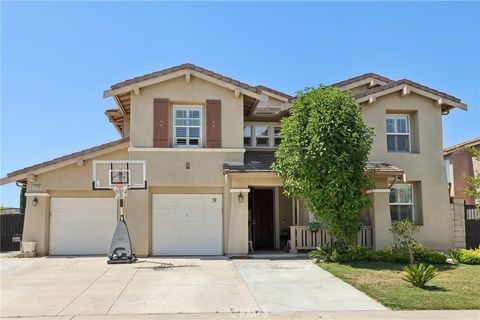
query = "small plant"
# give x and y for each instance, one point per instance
(430, 256)
(403, 238)
(314, 226)
(419, 274)
(338, 253)
(465, 256)
(455, 255)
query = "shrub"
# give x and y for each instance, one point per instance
(403, 232)
(419, 274)
(455, 255)
(337, 253)
(430, 256)
(471, 256)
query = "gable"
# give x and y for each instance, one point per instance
(122, 91)
(405, 87)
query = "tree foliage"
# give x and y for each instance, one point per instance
(323, 156)
(473, 182)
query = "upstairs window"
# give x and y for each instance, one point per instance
(398, 133)
(247, 135)
(401, 202)
(261, 135)
(277, 138)
(187, 126)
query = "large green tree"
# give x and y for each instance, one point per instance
(323, 157)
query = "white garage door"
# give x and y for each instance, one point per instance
(81, 225)
(187, 224)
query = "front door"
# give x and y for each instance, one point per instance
(262, 218)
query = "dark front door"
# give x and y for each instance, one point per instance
(262, 218)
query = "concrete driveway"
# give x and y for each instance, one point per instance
(88, 286)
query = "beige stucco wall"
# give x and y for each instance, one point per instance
(178, 91)
(168, 167)
(69, 181)
(74, 177)
(424, 167)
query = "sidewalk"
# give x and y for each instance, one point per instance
(331, 315)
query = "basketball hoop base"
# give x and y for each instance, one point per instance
(121, 247)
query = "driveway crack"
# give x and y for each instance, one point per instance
(248, 287)
(83, 291)
(126, 285)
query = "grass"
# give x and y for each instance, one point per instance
(456, 286)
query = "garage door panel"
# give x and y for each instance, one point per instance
(81, 225)
(187, 224)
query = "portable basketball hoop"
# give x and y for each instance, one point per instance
(120, 176)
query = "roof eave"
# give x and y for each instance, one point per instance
(187, 72)
(406, 89)
(58, 163)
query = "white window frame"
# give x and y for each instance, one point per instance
(187, 108)
(399, 116)
(269, 138)
(273, 135)
(406, 203)
(251, 135)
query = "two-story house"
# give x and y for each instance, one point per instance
(208, 142)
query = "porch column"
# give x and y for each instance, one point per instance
(380, 216)
(238, 227)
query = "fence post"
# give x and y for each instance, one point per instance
(293, 240)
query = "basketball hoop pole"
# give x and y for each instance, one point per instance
(121, 194)
(121, 247)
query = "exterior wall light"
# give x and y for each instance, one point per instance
(35, 201)
(240, 197)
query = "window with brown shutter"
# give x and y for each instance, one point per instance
(160, 123)
(214, 124)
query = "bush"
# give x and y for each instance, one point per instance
(387, 254)
(419, 274)
(403, 238)
(429, 256)
(337, 253)
(471, 256)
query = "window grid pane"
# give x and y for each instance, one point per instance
(398, 134)
(261, 135)
(401, 202)
(187, 127)
(247, 135)
(277, 137)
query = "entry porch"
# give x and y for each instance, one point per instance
(261, 217)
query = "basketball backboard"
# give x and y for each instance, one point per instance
(110, 173)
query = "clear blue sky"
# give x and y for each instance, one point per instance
(57, 58)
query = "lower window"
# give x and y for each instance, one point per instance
(401, 202)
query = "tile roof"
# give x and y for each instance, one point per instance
(361, 77)
(261, 161)
(67, 157)
(183, 67)
(261, 87)
(456, 147)
(406, 82)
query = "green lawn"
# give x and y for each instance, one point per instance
(456, 286)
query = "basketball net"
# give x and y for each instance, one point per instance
(120, 191)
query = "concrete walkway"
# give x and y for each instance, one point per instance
(87, 286)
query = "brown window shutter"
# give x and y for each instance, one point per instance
(160, 123)
(214, 124)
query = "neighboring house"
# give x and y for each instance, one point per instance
(208, 142)
(459, 163)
